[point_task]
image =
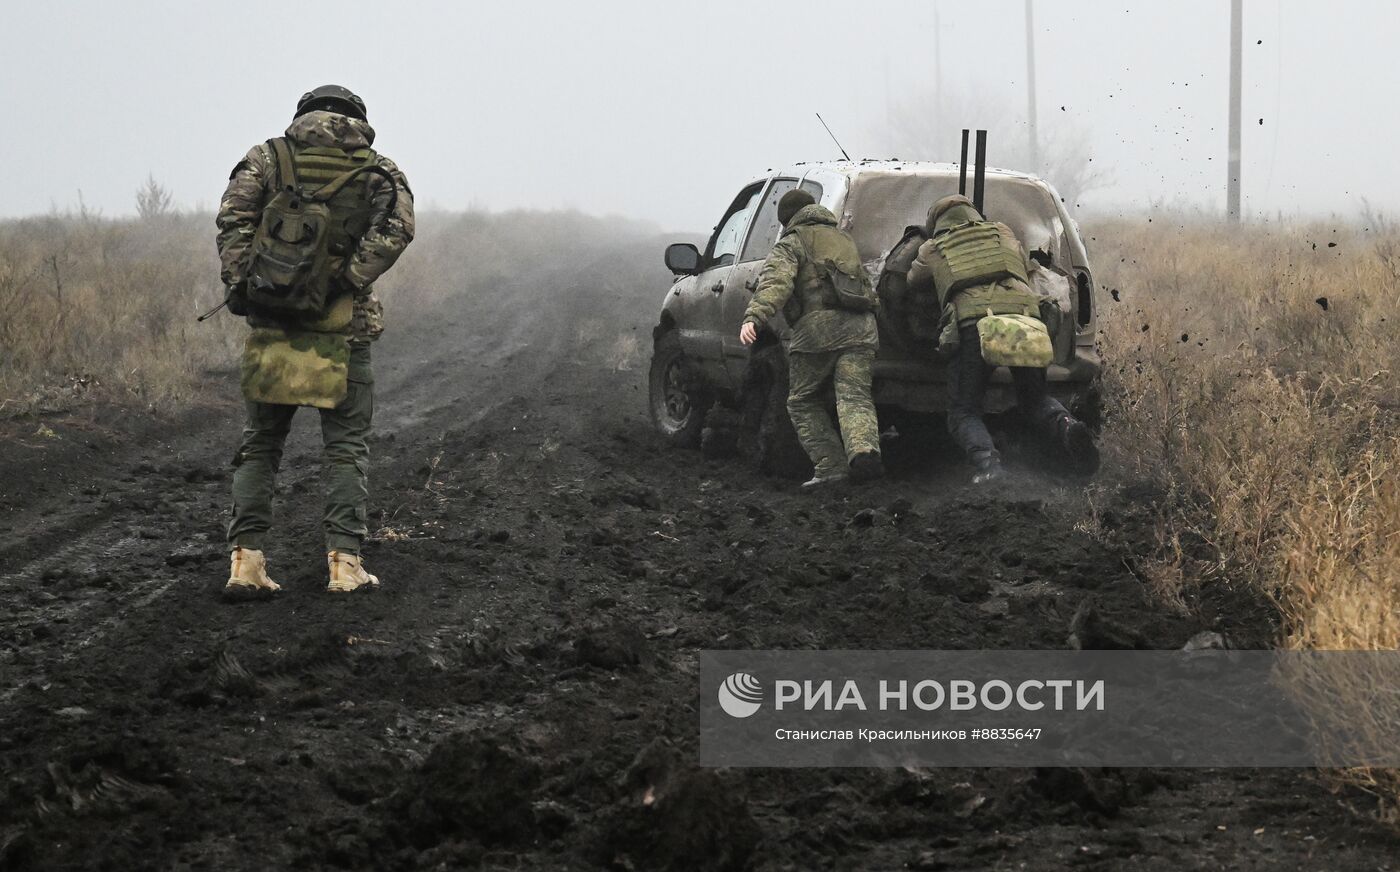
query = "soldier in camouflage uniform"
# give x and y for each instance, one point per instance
(912, 319)
(968, 373)
(324, 362)
(829, 344)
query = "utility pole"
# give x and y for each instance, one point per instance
(889, 112)
(1232, 190)
(937, 73)
(1031, 132)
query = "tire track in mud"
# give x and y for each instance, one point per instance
(98, 568)
(45, 613)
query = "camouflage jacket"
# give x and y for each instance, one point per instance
(913, 318)
(253, 182)
(792, 284)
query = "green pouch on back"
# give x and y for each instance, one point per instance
(296, 368)
(854, 293)
(1015, 340)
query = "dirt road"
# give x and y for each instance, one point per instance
(521, 693)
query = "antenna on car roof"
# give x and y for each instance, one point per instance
(833, 137)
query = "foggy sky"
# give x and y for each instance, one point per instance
(660, 111)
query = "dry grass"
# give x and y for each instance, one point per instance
(90, 306)
(1251, 373)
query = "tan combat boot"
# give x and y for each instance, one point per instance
(348, 573)
(247, 575)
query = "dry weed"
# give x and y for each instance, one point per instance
(93, 307)
(1250, 371)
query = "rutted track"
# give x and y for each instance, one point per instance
(521, 694)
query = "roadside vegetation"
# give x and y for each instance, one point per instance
(1252, 375)
(99, 308)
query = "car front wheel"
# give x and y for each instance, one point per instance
(677, 398)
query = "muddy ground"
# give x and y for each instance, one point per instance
(522, 692)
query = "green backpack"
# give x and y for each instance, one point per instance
(289, 274)
(835, 258)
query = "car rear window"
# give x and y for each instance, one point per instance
(882, 204)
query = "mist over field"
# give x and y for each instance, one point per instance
(659, 111)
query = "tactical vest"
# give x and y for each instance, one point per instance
(350, 208)
(975, 253)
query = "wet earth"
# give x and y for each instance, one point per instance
(522, 692)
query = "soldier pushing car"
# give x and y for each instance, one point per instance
(978, 271)
(814, 277)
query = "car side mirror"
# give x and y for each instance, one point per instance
(683, 259)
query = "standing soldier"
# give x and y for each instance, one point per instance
(991, 317)
(309, 221)
(815, 278)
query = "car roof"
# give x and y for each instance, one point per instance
(882, 198)
(853, 168)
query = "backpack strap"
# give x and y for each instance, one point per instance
(286, 170)
(334, 186)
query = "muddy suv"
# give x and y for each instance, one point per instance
(705, 384)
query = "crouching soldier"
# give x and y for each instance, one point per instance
(815, 278)
(309, 221)
(991, 317)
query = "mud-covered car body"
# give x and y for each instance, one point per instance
(874, 201)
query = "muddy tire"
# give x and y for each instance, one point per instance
(1089, 407)
(677, 398)
(778, 451)
(719, 440)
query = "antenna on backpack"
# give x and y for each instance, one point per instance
(210, 314)
(833, 137)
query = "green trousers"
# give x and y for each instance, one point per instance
(344, 435)
(850, 373)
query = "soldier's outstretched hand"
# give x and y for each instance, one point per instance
(748, 334)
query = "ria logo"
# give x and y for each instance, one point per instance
(740, 695)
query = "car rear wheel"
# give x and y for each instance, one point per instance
(678, 399)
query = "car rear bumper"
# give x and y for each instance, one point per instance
(922, 386)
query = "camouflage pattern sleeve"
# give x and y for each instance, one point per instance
(390, 233)
(775, 281)
(240, 210)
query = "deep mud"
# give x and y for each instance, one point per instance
(521, 693)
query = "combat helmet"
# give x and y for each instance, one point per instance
(332, 98)
(942, 208)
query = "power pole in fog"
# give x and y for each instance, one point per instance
(1232, 190)
(1030, 90)
(889, 113)
(937, 70)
